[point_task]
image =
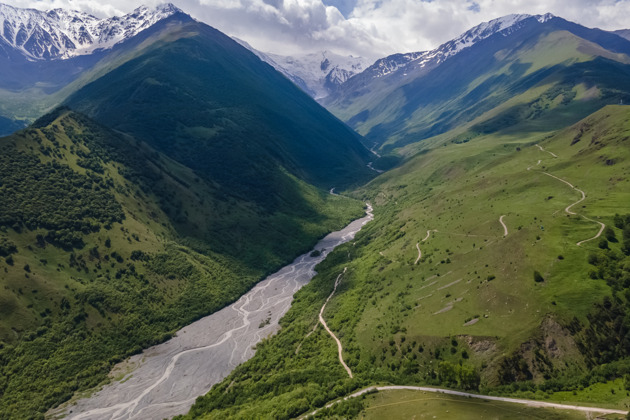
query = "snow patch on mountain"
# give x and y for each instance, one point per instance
(62, 34)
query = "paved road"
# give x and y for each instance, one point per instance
(170, 376)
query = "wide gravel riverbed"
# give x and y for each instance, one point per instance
(167, 378)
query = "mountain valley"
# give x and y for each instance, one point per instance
(168, 168)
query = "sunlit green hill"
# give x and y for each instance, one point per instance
(538, 310)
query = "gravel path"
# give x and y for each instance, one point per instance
(568, 210)
(529, 403)
(505, 229)
(323, 322)
(543, 150)
(170, 376)
(428, 234)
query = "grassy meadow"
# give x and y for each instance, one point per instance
(480, 310)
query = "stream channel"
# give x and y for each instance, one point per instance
(165, 380)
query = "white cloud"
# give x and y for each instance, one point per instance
(374, 28)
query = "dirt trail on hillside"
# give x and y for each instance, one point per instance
(602, 226)
(323, 322)
(429, 234)
(423, 240)
(538, 163)
(543, 150)
(505, 229)
(369, 165)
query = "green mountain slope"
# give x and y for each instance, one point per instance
(214, 106)
(553, 73)
(539, 311)
(108, 246)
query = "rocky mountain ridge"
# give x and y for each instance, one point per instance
(62, 34)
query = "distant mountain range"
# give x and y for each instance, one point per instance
(167, 168)
(61, 33)
(497, 70)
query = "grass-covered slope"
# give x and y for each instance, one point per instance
(553, 73)
(529, 312)
(108, 246)
(212, 105)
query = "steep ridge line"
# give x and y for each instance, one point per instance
(321, 319)
(505, 229)
(529, 403)
(602, 226)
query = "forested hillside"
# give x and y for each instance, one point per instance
(102, 256)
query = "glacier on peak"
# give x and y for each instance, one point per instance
(319, 73)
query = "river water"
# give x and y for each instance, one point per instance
(167, 378)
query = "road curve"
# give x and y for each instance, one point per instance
(323, 322)
(429, 234)
(568, 210)
(170, 376)
(505, 229)
(529, 403)
(419, 253)
(543, 150)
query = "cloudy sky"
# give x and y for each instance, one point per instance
(371, 28)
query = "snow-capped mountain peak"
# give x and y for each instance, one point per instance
(319, 73)
(61, 34)
(418, 60)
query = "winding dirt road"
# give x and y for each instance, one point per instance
(530, 167)
(543, 150)
(428, 234)
(419, 253)
(369, 165)
(423, 240)
(602, 226)
(323, 322)
(529, 403)
(505, 229)
(170, 376)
